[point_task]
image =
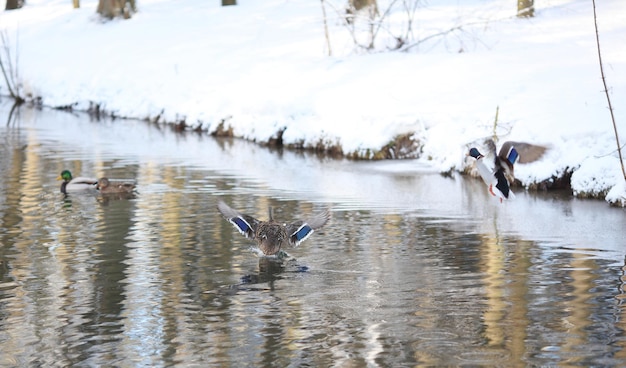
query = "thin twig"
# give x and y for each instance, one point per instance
(606, 90)
(10, 64)
(460, 27)
(345, 20)
(610, 153)
(8, 71)
(410, 16)
(387, 11)
(330, 53)
(14, 114)
(4, 71)
(17, 55)
(439, 34)
(495, 125)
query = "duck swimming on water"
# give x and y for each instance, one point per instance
(105, 186)
(78, 184)
(102, 185)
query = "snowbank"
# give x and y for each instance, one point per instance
(261, 70)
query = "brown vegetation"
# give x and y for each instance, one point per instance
(223, 130)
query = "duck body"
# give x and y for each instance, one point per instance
(78, 184)
(494, 177)
(106, 186)
(271, 235)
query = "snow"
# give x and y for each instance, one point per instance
(263, 67)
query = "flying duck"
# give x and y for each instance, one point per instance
(499, 174)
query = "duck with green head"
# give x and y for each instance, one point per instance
(498, 170)
(78, 184)
(271, 235)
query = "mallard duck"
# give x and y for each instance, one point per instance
(78, 184)
(500, 174)
(270, 235)
(105, 186)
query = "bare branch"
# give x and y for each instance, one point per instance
(606, 90)
(9, 71)
(3, 59)
(330, 53)
(381, 19)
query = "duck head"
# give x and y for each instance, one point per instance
(65, 175)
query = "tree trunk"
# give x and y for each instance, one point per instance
(76, 4)
(525, 8)
(360, 4)
(113, 8)
(13, 4)
(108, 8)
(355, 5)
(229, 2)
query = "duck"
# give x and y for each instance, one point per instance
(105, 186)
(501, 173)
(78, 184)
(271, 235)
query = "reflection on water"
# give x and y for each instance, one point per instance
(414, 269)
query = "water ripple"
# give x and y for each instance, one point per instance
(414, 269)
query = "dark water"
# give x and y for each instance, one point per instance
(415, 269)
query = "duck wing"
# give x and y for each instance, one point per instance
(299, 231)
(245, 224)
(526, 152)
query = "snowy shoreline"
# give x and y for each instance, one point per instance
(260, 71)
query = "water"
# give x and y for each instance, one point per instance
(414, 269)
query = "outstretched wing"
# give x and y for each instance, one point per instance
(527, 152)
(245, 224)
(490, 147)
(299, 231)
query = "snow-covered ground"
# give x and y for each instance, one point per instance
(263, 67)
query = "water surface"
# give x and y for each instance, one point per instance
(414, 269)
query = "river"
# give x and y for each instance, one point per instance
(414, 269)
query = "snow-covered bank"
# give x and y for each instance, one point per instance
(261, 70)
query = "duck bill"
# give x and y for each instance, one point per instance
(59, 177)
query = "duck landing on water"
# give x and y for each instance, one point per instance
(271, 235)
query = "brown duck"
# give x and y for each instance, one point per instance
(271, 235)
(106, 186)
